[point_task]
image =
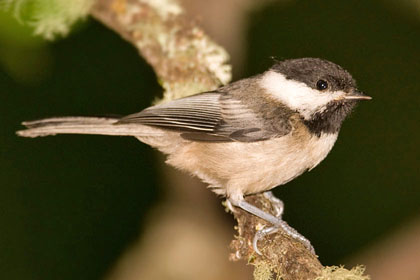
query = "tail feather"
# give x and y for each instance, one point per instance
(81, 125)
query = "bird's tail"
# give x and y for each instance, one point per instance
(81, 125)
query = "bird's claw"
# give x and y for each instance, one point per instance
(261, 234)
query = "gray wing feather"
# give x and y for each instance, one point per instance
(209, 117)
(199, 112)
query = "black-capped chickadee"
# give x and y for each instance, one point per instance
(243, 138)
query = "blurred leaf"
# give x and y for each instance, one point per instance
(15, 33)
(24, 56)
(49, 18)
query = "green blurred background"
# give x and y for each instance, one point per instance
(70, 205)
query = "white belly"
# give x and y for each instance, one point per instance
(238, 168)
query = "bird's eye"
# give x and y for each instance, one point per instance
(321, 85)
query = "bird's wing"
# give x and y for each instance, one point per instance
(210, 117)
(199, 113)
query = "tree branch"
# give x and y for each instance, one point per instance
(184, 58)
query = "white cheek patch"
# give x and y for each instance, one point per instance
(296, 95)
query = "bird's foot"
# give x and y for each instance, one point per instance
(260, 234)
(275, 220)
(276, 203)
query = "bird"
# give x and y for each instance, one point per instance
(243, 138)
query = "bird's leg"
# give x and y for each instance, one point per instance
(276, 221)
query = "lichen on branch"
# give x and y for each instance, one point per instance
(184, 58)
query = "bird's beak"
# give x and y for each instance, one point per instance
(356, 95)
